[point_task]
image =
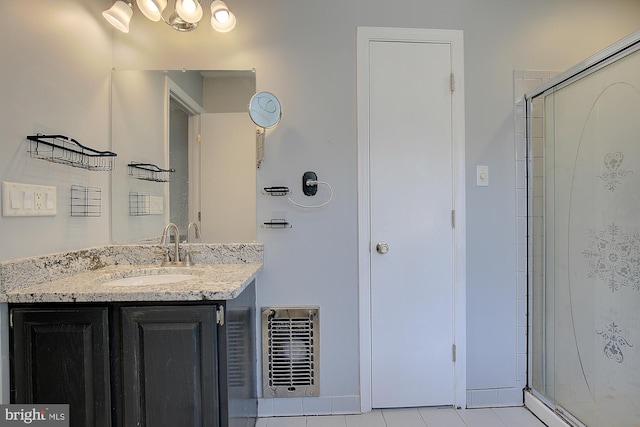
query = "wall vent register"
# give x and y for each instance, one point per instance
(290, 352)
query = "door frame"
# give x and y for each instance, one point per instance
(174, 92)
(366, 35)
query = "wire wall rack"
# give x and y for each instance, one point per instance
(67, 151)
(149, 172)
(139, 204)
(276, 191)
(86, 201)
(277, 224)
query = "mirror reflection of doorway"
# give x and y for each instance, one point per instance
(228, 158)
(179, 161)
(228, 151)
(212, 148)
(142, 101)
(183, 156)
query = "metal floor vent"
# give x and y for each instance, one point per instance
(290, 352)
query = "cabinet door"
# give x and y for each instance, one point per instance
(169, 366)
(62, 356)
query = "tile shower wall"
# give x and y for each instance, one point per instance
(534, 209)
(523, 82)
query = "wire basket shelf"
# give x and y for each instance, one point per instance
(149, 172)
(67, 151)
(277, 224)
(276, 191)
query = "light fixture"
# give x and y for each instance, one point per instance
(222, 20)
(189, 10)
(119, 15)
(185, 15)
(152, 9)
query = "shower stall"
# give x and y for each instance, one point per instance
(583, 136)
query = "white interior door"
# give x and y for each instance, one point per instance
(411, 202)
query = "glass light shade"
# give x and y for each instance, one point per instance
(227, 26)
(119, 15)
(189, 10)
(222, 20)
(152, 9)
(222, 16)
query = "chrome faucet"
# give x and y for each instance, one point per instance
(187, 255)
(197, 232)
(176, 241)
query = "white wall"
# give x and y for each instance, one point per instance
(305, 53)
(55, 79)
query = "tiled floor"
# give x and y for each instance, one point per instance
(421, 417)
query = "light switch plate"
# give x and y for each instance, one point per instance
(482, 176)
(28, 200)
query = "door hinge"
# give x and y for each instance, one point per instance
(453, 82)
(220, 315)
(453, 218)
(199, 138)
(453, 352)
(11, 320)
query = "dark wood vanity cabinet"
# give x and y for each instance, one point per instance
(125, 364)
(62, 356)
(170, 366)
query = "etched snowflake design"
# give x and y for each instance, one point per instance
(614, 258)
(614, 341)
(613, 175)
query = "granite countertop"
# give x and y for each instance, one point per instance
(220, 272)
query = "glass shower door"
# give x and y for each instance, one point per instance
(585, 253)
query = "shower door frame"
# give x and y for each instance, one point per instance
(548, 411)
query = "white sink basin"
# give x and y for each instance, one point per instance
(155, 279)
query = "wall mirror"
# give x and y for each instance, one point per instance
(191, 131)
(265, 110)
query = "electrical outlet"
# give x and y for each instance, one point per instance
(28, 200)
(38, 200)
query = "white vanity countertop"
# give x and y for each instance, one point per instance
(220, 272)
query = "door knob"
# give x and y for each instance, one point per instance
(382, 248)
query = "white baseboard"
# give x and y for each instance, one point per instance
(298, 406)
